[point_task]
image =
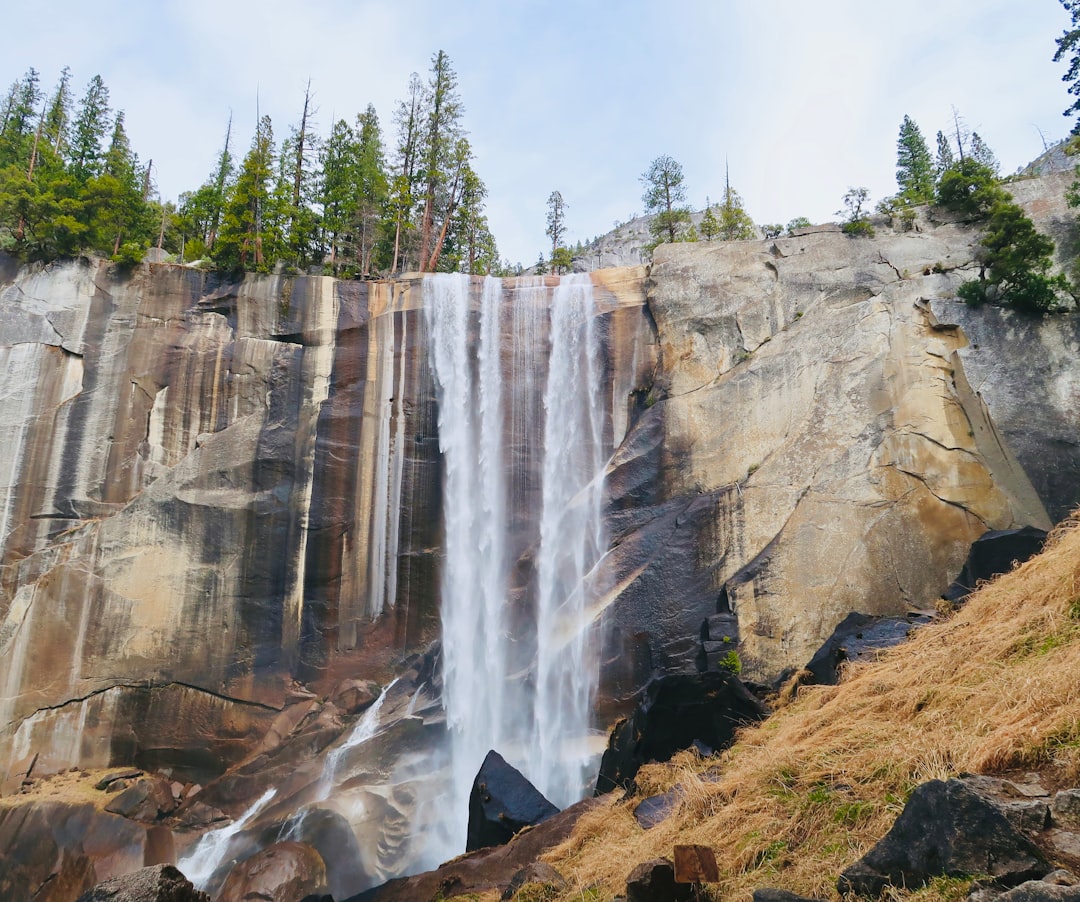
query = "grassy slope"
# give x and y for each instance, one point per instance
(991, 689)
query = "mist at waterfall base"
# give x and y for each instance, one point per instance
(521, 430)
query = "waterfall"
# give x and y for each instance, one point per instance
(518, 669)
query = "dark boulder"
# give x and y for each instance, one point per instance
(857, 636)
(501, 803)
(945, 829)
(161, 883)
(654, 881)
(994, 553)
(676, 711)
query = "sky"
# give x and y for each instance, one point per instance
(800, 99)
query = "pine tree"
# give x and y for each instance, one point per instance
(337, 194)
(1069, 45)
(710, 226)
(440, 158)
(88, 131)
(945, 159)
(405, 184)
(248, 237)
(372, 187)
(735, 222)
(556, 221)
(981, 153)
(57, 119)
(665, 198)
(914, 164)
(20, 120)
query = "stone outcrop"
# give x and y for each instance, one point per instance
(946, 829)
(502, 803)
(221, 498)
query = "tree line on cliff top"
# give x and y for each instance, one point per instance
(71, 183)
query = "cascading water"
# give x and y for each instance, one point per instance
(518, 671)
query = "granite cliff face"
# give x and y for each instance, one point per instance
(221, 498)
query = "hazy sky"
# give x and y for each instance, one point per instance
(803, 98)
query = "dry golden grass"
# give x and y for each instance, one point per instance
(797, 799)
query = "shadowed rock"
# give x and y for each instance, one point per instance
(502, 802)
(654, 881)
(994, 553)
(675, 712)
(945, 829)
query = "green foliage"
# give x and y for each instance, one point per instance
(856, 222)
(914, 165)
(730, 662)
(735, 222)
(1016, 264)
(1068, 46)
(969, 188)
(710, 225)
(799, 222)
(665, 198)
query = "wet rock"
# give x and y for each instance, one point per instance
(199, 814)
(161, 883)
(859, 636)
(993, 553)
(539, 872)
(502, 802)
(654, 881)
(486, 870)
(283, 872)
(70, 847)
(353, 696)
(945, 829)
(333, 838)
(676, 711)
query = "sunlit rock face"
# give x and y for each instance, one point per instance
(221, 498)
(212, 489)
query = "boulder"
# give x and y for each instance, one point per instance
(654, 881)
(501, 803)
(1065, 809)
(538, 873)
(283, 872)
(1040, 891)
(161, 883)
(947, 829)
(857, 636)
(993, 553)
(656, 809)
(145, 800)
(779, 895)
(675, 712)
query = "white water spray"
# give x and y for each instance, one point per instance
(211, 851)
(519, 674)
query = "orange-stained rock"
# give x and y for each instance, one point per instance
(283, 872)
